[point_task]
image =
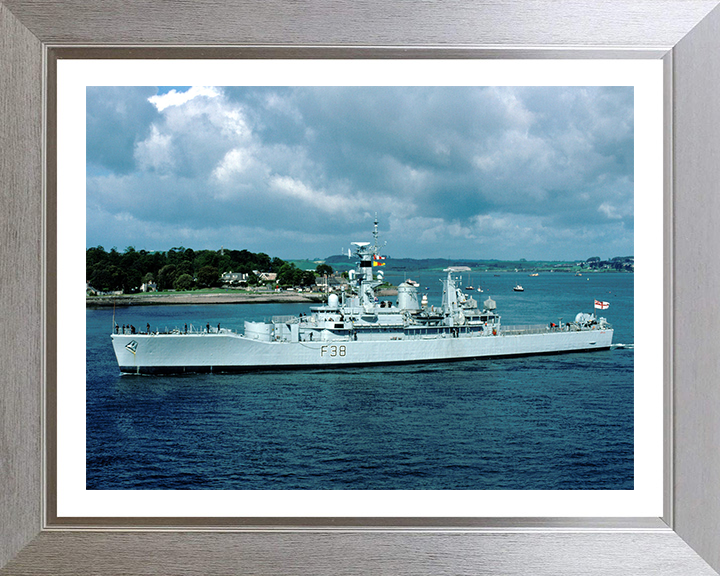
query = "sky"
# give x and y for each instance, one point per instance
(300, 172)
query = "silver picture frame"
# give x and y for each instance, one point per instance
(685, 34)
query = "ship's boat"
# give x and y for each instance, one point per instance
(356, 328)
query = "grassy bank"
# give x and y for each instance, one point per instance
(202, 297)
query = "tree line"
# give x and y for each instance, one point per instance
(185, 269)
(625, 263)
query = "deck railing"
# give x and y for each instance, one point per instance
(527, 329)
(285, 319)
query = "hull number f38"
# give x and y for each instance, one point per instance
(333, 351)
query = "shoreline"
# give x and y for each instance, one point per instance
(206, 298)
(185, 298)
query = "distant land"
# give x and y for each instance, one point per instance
(183, 270)
(617, 264)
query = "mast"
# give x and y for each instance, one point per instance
(375, 237)
(369, 255)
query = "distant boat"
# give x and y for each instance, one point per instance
(518, 288)
(473, 288)
(536, 274)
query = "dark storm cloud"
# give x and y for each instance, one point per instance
(477, 172)
(117, 119)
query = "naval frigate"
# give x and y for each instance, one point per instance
(356, 329)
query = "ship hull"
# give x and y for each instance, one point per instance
(230, 352)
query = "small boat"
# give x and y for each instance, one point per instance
(518, 288)
(473, 288)
(536, 274)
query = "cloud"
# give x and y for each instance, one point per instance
(175, 98)
(234, 163)
(155, 152)
(117, 118)
(317, 199)
(497, 171)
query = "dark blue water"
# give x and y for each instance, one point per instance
(558, 422)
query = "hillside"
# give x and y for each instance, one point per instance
(620, 264)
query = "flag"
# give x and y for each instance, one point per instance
(376, 257)
(602, 305)
(378, 263)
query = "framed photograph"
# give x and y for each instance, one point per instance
(266, 157)
(68, 498)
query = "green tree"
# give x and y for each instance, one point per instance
(206, 258)
(114, 256)
(166, 277)
(307, 278)
(323, 269)
(208, 276)
(129, 257)
(189, 255)
(185, 267)
(132, 280)
(150, 262)
(108, 278)
(276, 264)
(184, 282)
(101, 278)
(262, 261)
(287, 274)
(241, 257)
(176, 255)
(93, 258)
(225, 263)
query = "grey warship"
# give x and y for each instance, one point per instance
(355, 329)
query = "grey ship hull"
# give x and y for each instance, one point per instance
(231, 352)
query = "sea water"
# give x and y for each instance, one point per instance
(559, 422)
